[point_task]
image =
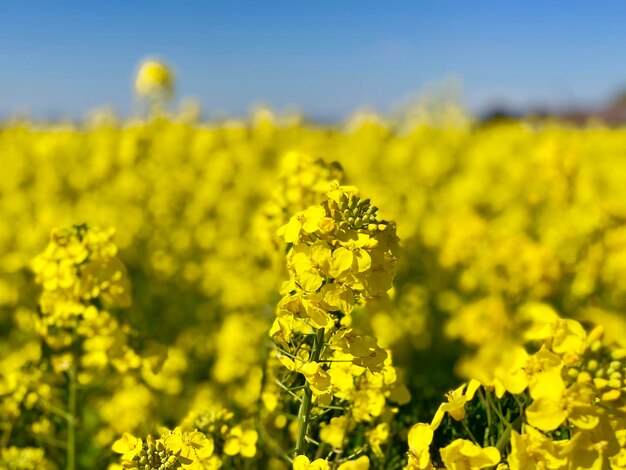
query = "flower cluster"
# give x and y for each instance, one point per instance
(206, 439)
(556, 403)
(173, 449)
(233, 440)
(24, 458)
(340, 256)
(78, 350)
(81, 276)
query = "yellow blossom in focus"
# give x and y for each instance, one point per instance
(129, 446)
(420, 438)
(535, 450)
(462, 454)
(554, 403)
(455, 405)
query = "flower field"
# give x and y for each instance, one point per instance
(418, 292)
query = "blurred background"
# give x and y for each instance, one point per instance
(325, 59)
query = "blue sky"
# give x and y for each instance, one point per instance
(327, 58)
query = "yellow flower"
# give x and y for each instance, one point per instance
(362, 463)
(153, 78)
(510, 376)
(377, 436)
(592, 449)
(568, 337)
(420, 438)
(462, 454)
(337, 297)
(241, 440)
(547, 412)
(302, 462)
(543, 360)
(307, 221)
(334, 432)
(304, 262)
(342, 375)
(364, 349)
(316, 376)
(191, 448)
(308, 309)
(340, 261)
(534, 450)
(368, 404)
(128, 445)
(554, 403)
(565, 337)
(456, 403)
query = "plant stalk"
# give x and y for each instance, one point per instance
(71, 419)
(305, 405)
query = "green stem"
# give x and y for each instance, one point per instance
(469, 431)
(487, 437)
(330, 407)
(311, 440)
(506, 435)
(6, 435)
(353, 455)
(305, 405)
(71, 419)
(47, 406)
(288, 390)
(282, 351)
(497, 410)
(50, 441)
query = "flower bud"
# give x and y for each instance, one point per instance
(618, 354)
(582, 377)
(616, 384)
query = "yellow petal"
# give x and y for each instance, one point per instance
(341, 261)
(307, 275)
(420, 438)
(363, 260)
(301, 462)
(338, 297)
(291, 231)
(545, 414)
